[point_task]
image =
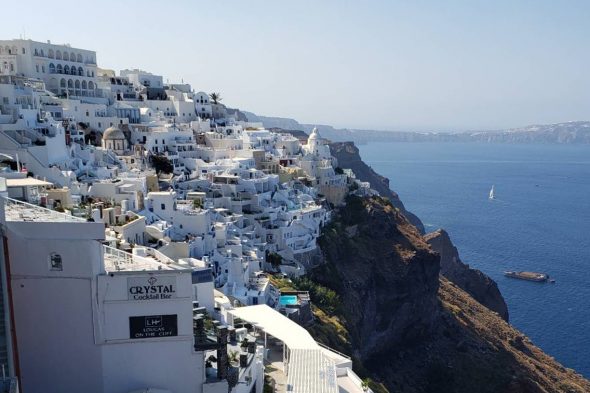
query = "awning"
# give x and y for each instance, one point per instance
(277, 325)
(27, 182)
(310, 371)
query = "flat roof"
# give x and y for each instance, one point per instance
(310, 371)
(277, 325)
(26, 182)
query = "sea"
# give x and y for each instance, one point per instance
(539, 221)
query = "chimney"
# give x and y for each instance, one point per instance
(251, 346)
(199, 330)
(232, 334)
(222, 361)
(243, 360)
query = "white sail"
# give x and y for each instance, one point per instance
(492, 193)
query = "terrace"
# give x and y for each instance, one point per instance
(23, 211)
(116, 260)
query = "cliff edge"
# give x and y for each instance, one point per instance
(481, 287)
(347, 155)
(412, 329)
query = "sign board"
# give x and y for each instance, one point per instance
(153, 326)
(153, 287)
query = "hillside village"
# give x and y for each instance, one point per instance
(144, 223)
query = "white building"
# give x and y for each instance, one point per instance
(143, 78)
(65, 70)
(89, 318)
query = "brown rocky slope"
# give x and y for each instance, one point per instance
(474, 282)
(413, 330)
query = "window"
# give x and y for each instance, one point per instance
(37, 67)
(43, 68)
(23, 51)
(163, 206)
(55, 262)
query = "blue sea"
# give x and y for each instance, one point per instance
(539, 221)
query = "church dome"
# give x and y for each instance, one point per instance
(113, 133)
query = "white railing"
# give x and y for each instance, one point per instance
(333, 350)
(22, 211)
(118, 260)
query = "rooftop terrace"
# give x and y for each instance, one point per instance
(23, 211)
(117, 261)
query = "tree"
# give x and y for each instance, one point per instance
(274, 259)
(215, 97)
(162, 164)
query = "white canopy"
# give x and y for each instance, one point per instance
(277, 325)
(310, 371)
(27, 182)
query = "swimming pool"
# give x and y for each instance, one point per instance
(287, 300)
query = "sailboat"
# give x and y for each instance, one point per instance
(492, 196)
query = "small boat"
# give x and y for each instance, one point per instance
(492, 196)
(530, 276)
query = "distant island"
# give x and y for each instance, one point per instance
(572, 132)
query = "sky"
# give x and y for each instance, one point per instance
(391, 65)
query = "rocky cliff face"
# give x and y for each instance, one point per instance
(348, 157)
(412, 329)
(378, 263)
(474, 282)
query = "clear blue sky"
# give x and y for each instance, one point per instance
(360, 64)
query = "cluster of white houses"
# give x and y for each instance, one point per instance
(140, 223)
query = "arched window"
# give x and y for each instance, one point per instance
(84, 85)
(80, 71)
(42, 54)
(36, 52)
(72, 57)
(60, 69)
(67, 69)
(58, 55)
(66, 56)
(87, 72)
(91, 85)
(79, 58)
(70, 83)
(50, 54)
(51, 68)
(77, 84)
(62, 83)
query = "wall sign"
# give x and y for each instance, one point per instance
(153, 326)
(151, 288)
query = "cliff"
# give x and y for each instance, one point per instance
(410, 328)
(571, 132)
(474, 282)
(348, 157)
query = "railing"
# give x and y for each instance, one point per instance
(333, 350)
(23, 211)
(120, 260)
